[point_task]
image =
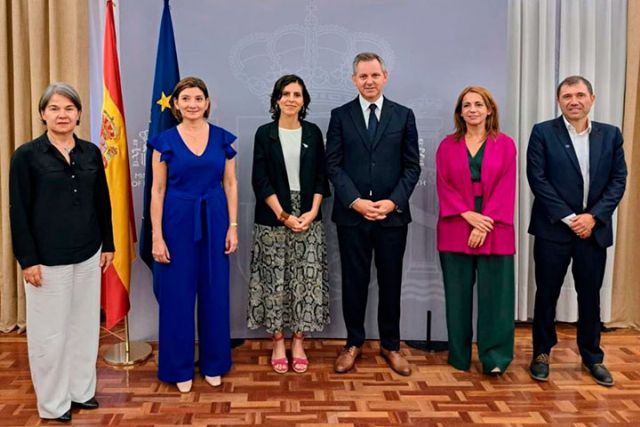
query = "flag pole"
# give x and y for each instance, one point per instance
(116, 279)
(127, 353)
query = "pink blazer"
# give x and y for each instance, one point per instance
(456, 195)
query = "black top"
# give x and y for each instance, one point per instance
(269, 173)
(60, 212)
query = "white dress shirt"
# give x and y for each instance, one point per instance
(580, 143)
(364, 104)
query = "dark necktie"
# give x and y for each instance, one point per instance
(373, 122)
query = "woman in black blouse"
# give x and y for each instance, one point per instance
(62, 237)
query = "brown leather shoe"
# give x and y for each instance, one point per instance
(346, 359)
(396, 361)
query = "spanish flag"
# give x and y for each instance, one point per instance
(115, 155)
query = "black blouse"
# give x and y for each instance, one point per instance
(60, 212)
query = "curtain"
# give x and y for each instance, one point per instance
(626, 274)
(41, 41)
(530, 99)
(550, 40)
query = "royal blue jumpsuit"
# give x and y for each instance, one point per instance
(195, 220)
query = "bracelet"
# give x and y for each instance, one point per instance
(283, 216)
(233, 224)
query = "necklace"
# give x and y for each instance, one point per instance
(62, 148)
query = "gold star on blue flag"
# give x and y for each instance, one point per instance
(163, 102)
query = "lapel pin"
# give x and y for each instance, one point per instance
(305, 145)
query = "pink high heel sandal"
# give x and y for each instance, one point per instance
(299, 364)
(280, 365)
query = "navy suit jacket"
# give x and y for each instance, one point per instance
(386, 168)
(554, 175)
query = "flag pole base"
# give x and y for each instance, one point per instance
(117, 354)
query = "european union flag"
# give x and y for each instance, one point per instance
(166, 77)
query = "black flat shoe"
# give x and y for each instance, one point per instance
(64, 418)
(89, 404)
(599, 373)
(539, 367)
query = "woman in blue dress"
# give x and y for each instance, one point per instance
(194, 204)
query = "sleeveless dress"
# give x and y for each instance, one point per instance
(194, 224)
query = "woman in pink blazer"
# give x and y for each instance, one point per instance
(476, 182)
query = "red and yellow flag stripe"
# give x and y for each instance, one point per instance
(115, 154)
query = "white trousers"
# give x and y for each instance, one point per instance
(63, 330)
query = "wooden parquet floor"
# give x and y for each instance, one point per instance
(371, 395)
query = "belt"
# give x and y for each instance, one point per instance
(476, 188)
(198, 201)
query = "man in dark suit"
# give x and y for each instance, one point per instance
(373, 163)
(577, 173)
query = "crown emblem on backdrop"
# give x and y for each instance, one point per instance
(320, 54)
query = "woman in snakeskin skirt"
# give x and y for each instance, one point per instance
(288, 288)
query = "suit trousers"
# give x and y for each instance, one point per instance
(494, 275)
(551, 263)
(358, 245)
(63, 330)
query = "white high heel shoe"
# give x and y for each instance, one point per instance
(213, 381)
(184, 386)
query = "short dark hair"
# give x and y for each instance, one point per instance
(368, 56)
(574, 80)
(279, 86)
(59, 88)
(186, 83)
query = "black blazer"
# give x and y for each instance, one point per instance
(387, 168)
(269, 174)
(555, 179)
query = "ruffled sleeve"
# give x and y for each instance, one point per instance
(227, 139)
(161, 144)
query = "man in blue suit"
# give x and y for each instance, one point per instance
(577, 173)
(373, 163)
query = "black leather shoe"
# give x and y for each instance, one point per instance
(64, 418)
(600, 373)
(89, 404)
(539, 368)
